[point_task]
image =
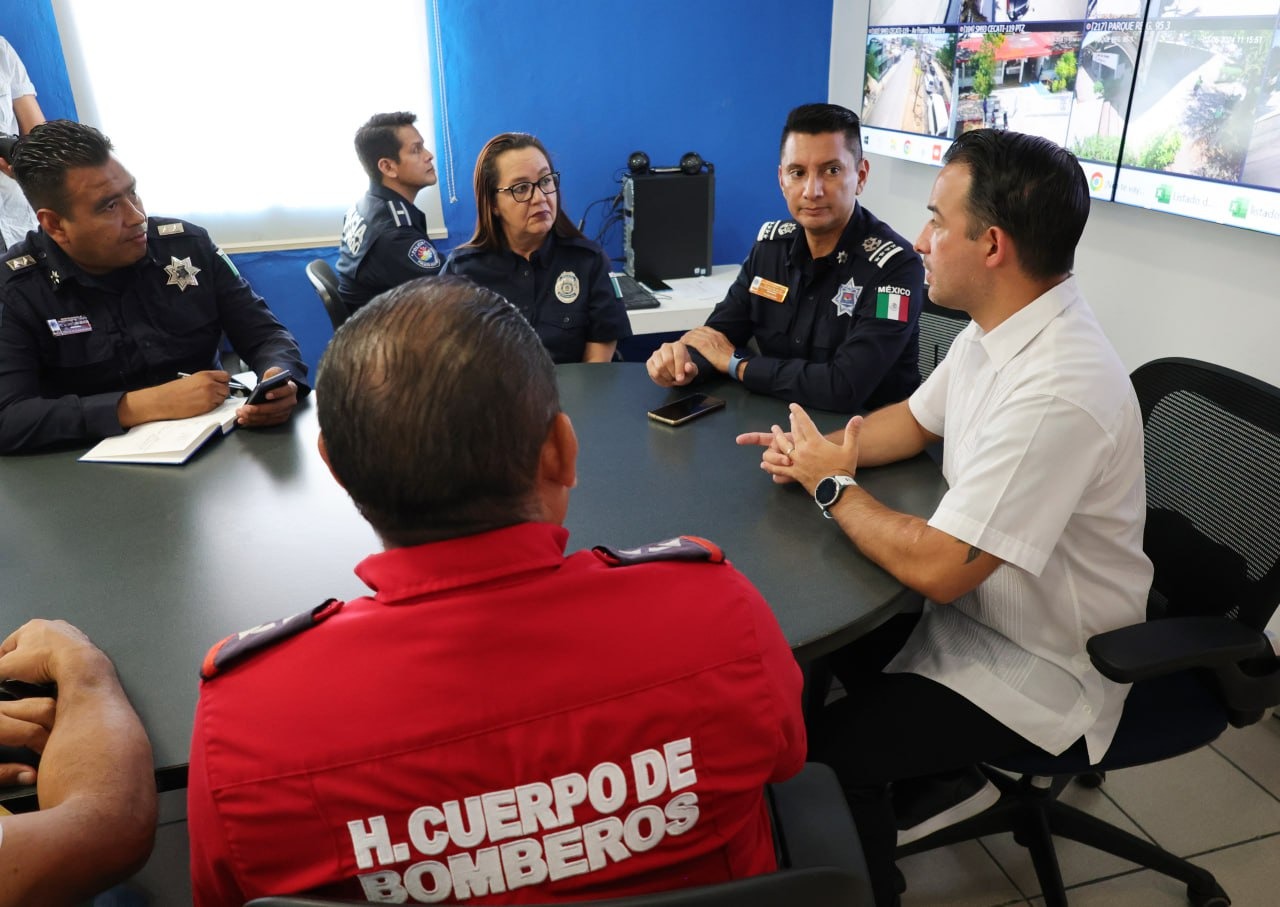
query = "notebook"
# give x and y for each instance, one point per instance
(169, 442)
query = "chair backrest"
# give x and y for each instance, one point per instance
(326, 284)
(938, 328)
(1212, 442)
(823, 886)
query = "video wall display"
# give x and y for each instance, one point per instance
(1172, 105)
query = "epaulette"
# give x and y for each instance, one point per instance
(21, 263)
(239, 646)
(172, 228)
(879, 251)
(776, 229)
(682, 548)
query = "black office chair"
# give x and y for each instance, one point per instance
(938, 328)
(1201, 661)
(819, 850)
(326, 284)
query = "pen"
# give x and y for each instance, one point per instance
(236, 386)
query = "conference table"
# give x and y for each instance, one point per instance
(157, 563)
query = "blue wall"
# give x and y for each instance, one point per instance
(30, 27)
(595, 81)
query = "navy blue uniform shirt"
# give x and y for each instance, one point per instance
(384, 244)
(563, 290)
(845, 334)
(72, 343)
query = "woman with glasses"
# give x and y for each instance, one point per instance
(526, 248)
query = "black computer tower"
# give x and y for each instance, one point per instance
(667, 231)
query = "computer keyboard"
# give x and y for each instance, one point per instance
(632, 293)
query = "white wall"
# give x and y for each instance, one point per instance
(1161, 285)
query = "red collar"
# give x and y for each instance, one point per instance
(401, 574)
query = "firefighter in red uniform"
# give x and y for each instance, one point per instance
(495, 722)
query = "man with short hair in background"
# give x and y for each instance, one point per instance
(825, 311)
(384, 236)
(494, 717)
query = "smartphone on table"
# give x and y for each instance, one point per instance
(678, 412)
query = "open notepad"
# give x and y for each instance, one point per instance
(171, 441)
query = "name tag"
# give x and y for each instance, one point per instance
(75, 324)
(768, 289)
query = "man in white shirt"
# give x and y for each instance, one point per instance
(1036, 547)
(19, 112)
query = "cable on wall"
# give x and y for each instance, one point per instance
(446, 135)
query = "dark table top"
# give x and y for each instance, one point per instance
(157, 563)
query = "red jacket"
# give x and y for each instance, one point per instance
(498, 724)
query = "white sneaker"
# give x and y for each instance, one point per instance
(925, 805)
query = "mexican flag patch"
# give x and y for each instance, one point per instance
(893, 303)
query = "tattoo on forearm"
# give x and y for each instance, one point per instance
(972, 556)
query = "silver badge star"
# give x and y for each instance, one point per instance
(56, 278)
(182, 273)
(842, 256)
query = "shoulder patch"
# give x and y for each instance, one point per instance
(239, 646)
(170, 229)
(21, 263)
(776, 229)
(682, 548)
(424, 255)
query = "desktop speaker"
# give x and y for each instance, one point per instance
(668, 216)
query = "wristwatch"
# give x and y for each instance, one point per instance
(829, 491)
(736, 360)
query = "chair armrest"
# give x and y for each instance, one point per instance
(1159, 647)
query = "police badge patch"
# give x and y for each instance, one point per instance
(182, 273)
(567, 287)
(423, 254)
(846, 297)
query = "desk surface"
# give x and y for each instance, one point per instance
(687, 304)
(157, 563)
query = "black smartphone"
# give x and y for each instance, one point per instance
(681, 411)
(259, 394)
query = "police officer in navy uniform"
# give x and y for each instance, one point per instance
(526, 248)
(384, 237)
(829, 302)
(109, 319)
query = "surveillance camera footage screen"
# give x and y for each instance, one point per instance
(1172, 105)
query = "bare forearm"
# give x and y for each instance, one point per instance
(933, 563)
(27, 110)
(97, 796)
(891, 434)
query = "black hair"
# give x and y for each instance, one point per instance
(1029, 187)
(377, 139)
(43, 157)
(434, 401)
(816, 119)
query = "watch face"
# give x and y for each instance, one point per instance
(826, 492)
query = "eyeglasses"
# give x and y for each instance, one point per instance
(522, 192)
